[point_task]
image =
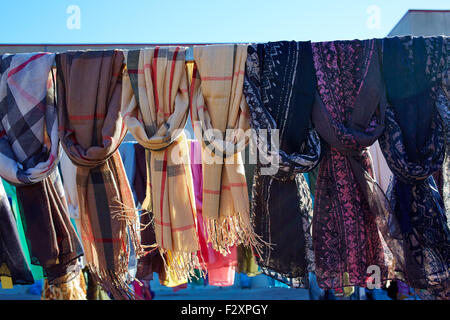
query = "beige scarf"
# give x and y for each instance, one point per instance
(155, 104)
(218, 104)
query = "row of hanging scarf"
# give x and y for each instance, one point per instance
(329, 101)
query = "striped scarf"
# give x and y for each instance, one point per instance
(279, 87)
(220, 117)
(91, 130)
(413, 145)
(29, 154)
(155, 105)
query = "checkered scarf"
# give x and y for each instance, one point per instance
(91, 130)
(218, 104)
(29, 154)
(155, 105)
(29, 147)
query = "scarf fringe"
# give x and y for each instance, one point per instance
(224, 233)
(123, 212)
(182, 264)
(113, 283)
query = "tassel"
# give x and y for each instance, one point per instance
(224, 233)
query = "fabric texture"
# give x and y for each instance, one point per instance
(11, 253)
(414, 147)
(152, 261)
(66, 289)
(155, 104)
(10, 191)
(221, 268)
(219, 115)
(279, 87)
(91, 130)
(350, 223)
(29, 153)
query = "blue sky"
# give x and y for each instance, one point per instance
(201, 21)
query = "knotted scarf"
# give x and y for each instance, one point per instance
(11, 254)
(279, 87)
(414, 147)
(29, 154)
(220, 119)
(91, 130)
(350, 230)
(155, 105)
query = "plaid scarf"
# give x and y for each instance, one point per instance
(155, 105)
(414, 147)
(350, 223)
(29, 153)
(279, 87)
(91, 130)
(218, 104)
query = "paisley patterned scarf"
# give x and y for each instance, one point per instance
(414, 147)
(350, 231)
(279, 88)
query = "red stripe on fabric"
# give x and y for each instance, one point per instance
(88, 117)
(163, 189)
(202, 107)
(209, 191)
(238, 184)
(23, 65)
(184, 90)
(216, 78)
(154, 80)
(29, 97)
(174, 229)
(2, 133)
(172, 71)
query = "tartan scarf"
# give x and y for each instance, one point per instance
(11, 253)
(155, 105)
(350, 223)
(91, 130)
(414, 147)
(29, 154)
(279, 87)
(220, 117)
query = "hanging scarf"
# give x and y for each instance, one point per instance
(279, 87)
(442, 105)
(414, 147)
(220, 118)
(29, 154)
(91, 130)
(155, 104)
(350, 230)
(11, 254)
(152, 261)
(220, 268)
